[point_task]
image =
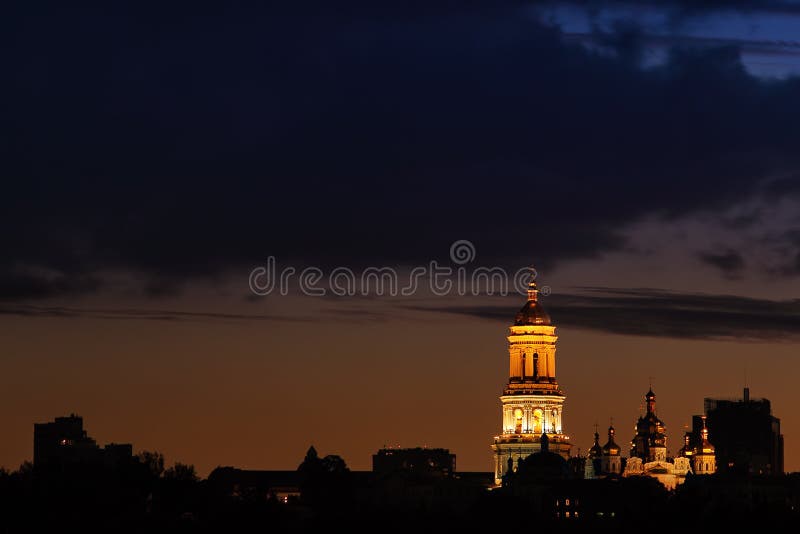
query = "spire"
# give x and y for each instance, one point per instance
(686, 451)
(532, 312)
(533, 289)
(596, 450)
(650, 398)
(611, 448)
(705, 446)
(311, 453)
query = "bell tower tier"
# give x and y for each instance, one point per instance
(532, 402)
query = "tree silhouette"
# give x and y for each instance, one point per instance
(154, 461)
(181, 472)
(324, 482)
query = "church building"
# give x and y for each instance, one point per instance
(604, 461)
(532, 401)
(649, 450)
(532, 408)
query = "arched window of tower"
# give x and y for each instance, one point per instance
(537, 421)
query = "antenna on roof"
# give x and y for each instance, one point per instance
(746, 395)
(745, 374)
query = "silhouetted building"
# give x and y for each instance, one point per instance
(414, 478)
(746, 435)
(540, 467)
(547, 491)
(116, 453)
(416, 460)
(64, 442)
(419, 479)
(283, 486)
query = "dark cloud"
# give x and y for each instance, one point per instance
(639, 312)
(657, 313)
(791, 254)
(730, 263)
(178, 143)
(18, 284)
(688, 8)
(144, 314)
(630, 41)
(132, 313)
(793, 268)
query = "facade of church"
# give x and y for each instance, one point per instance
(648, 454)
(605, 461)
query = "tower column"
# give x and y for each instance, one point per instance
(532, 391)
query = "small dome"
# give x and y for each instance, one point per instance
(596, 449)
(611, 449)
(543, 465)
(532, 313)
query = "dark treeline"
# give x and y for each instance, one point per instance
(141, 495)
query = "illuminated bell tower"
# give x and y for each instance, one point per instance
(532, 401)
(703, 460)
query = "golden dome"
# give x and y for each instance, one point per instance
(532, 313)
(596, 449)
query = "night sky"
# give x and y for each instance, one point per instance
(643, 156)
